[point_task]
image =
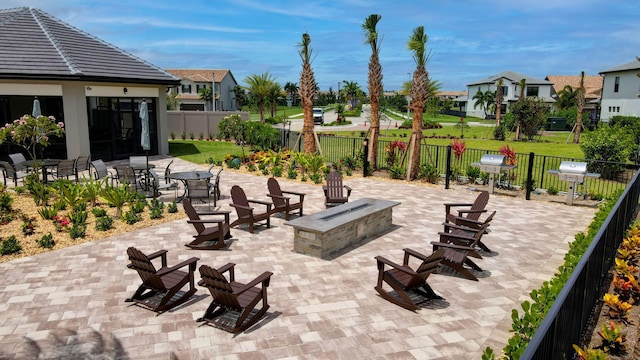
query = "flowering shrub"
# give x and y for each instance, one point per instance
(61, 223)
(458, 148)
(29, 131)
(394, 151)
(509, 154)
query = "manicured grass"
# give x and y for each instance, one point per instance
(199, 151)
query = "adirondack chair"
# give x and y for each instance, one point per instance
(334, 190)
(208, 238)
(159, 287)
(459, 248)
(246, 214)
(283, 203)
(233, 304)
(405, 281)
(468, 226)
(472, 211)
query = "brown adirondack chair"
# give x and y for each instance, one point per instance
(405, 281)
(246, 214)
(233, 304)
(462, 225)
(472, 211)
(334, 190)
(283, 203)
(159, 287)
(208, 238)
(459, 247)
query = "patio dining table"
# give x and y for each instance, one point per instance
(189, 175)
(44, 164)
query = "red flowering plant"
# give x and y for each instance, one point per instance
(509, 154)
(458, 148)
(394, 151)
(61, 223)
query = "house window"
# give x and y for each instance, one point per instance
(505, 91)
(617, 108)
(186, 89)
(616, 85)
(532, 91)
(200, 87)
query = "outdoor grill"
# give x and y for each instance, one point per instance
(574, 173)
(493, 164)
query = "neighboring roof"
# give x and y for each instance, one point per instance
(201, 75)
(36, 45)
(634, 65)
(514, 77)
(451, 93)
(592, 84)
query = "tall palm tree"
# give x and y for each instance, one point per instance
(484, 100)
(259, 86)
(523, 86)
(499, 98)
(291, 90)
(307, 93)
(375, 85)
(419, 94)
(567, 97)
(240, 96)
(351, 91)
(580, 105)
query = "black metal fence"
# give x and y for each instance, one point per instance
(566, 321)
(528, 165)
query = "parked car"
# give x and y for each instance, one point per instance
(318, 116)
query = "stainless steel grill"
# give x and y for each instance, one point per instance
(492, 164)
(574, 172)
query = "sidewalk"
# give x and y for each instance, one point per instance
(324, 309)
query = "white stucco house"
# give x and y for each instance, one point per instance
(511, 90)
(620, 91)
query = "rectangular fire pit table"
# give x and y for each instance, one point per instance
(326, 232)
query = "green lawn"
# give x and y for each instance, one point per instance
(199, 151)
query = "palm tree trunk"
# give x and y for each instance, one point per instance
(416, 139)
(580, 106)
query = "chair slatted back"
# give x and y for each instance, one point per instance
(126, 175)
(428, 266)
(334, 186)
(141, 263)
(100, 169)
(167, 172)
(82, 163)
(479, 204)
(238, 197)
(274, 189)
(219, 286)
(18, 160)
(9, 169)
(198, 188)
(193, 215)
(66, 168)
(138, 162)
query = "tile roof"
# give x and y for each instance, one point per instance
(34, 44)
(199, 75)
(592, 84)
(513, 76)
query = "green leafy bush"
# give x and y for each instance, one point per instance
(104, 223)
(5, 201)
(172, 208)
(46, 241)
(156, 213)
(473, 173)
(552, 190)
(396, 172)
(131, 217)
(292, 173)
(277, 171)
(78, 231)
(613, 145)
(99, 212)
(78, 217)
(138, 206)
(10, 246)
(428, 172)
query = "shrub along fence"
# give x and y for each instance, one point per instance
(567, 320)
(614, 176)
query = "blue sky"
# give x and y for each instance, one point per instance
(468, 40)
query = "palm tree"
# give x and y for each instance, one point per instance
(259, 86)
(351, 92)
(523, 85)
(275, 91)
(307, 93)
(240, 96)
(481, 101)
(580, 105)
(567, 97)
(292, 90)
(206, 95)
(499, 98)
(375, 85)
(419, 94)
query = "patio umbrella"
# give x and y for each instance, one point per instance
(36, 108)
(144, 119)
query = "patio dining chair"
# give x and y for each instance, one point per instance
(19, 161)
(10, 172)
(101, 171)
(65, 169)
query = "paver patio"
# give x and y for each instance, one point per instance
(320, 309)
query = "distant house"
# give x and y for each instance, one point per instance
(592, 87)
(450, 95)
(93, 87)
(535, 87)
(193, 80)
(620, 90)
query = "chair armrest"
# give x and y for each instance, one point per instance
(248, 208)
(278, 197)
(451, 246)
(294, 193)
(413, 253)
(456, 204)
(460, 212)
(462, 227)
(263, 278)
(260, 202)
(348, 190)
(156, 254)
(456, 236)
(222, 212)
(230, 268)
(208, 221)
(191, 262)
(382, 260)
